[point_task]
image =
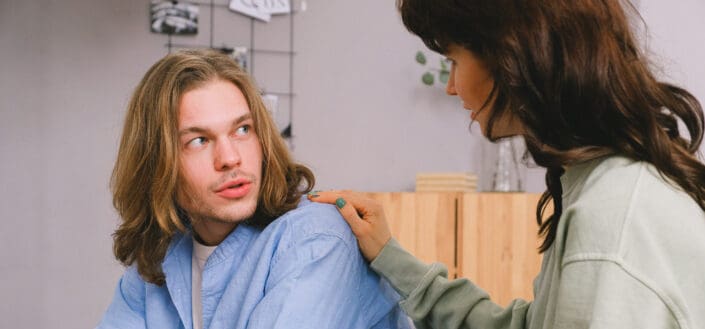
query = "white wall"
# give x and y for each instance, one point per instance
(362, 120)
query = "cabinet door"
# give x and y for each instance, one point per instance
(424, 223)
(498, 243)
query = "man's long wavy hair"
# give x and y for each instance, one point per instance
(573, 74)
(146, 174)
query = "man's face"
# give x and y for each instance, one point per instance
(220, 155)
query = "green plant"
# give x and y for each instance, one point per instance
(428, 78)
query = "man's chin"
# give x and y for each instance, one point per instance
(236, 215)
(231, 212)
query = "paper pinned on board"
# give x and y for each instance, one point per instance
(261, 9)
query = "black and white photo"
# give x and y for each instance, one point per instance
(174, 17)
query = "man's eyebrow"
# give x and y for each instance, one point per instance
(189, 130)
(242, 118)
(199, 130)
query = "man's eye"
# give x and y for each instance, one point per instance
(196, 142)
(243, 130)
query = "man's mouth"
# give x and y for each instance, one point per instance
(234, 189)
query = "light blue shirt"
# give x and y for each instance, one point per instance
(304, 270)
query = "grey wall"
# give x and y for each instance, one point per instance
(362, 121)
(676, 42)
(67, 69)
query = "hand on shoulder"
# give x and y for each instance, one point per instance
(365, 217)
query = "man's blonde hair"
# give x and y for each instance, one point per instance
(145, 178)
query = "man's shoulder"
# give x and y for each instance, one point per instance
(132, 285)
(310, 219)
(309, 232)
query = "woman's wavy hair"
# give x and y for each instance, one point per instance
(146, 174)
(572, 73)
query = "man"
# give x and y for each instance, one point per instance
(215, 231)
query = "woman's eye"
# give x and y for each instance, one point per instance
(243, 130)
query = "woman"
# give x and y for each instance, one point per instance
(625, 244)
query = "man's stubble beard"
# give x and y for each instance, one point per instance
(205, 213)
(198, 210)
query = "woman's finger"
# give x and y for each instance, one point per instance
(333, 195)
(344, 201)
(350, 214)
(359, 202)
(325, 196)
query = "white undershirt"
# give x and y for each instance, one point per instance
(198, 261)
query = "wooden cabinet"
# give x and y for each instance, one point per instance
(424, 223)
(489, 238)
(498, 243)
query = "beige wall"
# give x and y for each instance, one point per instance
(362, 121)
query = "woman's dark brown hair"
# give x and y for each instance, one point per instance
(146, 174)
(572, 72)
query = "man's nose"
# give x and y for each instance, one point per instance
(227, 155)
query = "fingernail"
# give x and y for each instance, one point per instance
(340, 202)
(312, 194)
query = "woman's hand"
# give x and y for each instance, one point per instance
(365, 217)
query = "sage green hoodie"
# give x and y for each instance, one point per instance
(629, 253)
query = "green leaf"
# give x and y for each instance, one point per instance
(443, 76)
(420, 58)
(427, 79)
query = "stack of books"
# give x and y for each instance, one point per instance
(446, 182)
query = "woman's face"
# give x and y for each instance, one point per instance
(472, 82)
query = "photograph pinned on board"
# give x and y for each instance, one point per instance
(281, 118)
(261, 9)
(277, 7)
(174, 17)
(241, 55)
(271, 101)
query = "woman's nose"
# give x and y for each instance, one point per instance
(450, 86)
